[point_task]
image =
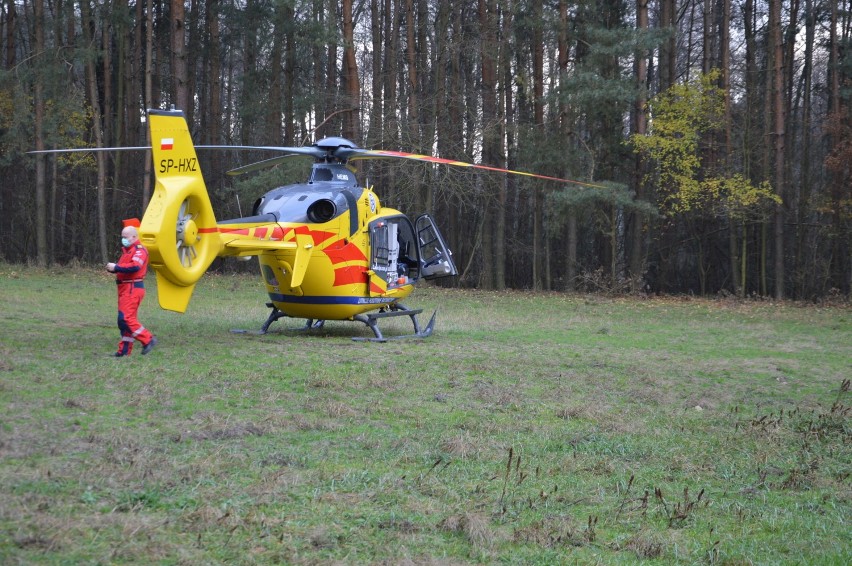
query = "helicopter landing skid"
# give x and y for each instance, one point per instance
(371, 320)
(311, 324)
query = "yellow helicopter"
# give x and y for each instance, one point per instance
(327, 248)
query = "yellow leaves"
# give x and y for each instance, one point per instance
(741, 193)
(6, 108)
(7, 120)
(688, 109)
(680, 118)
(739, 197)
(734, 196)
(71, 132)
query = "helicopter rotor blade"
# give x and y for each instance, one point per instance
(89, 149)
(261, 164)
(332, 148)
(311, 151)
(308, 151)
(385, 154)
(185, 249)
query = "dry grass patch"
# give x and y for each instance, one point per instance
(645, 545)
(336, 409)
(460, 445)
(475, 527)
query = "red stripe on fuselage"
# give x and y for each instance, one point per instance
(349, 275)
(278, 233)
(318, 236)
(239, 231)
(340, 252)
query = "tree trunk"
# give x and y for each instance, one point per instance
(214, 80)
(124, 81)
(274, 74)
(778, 140)
(725, 63)
(834, 62)
(538, 112)
(39, 103)
(352, 122)
(391, 54)
(426, 87)
(505, 88)
(411, 60)
(490, 140)
(320, 86)
(11, 26)
(565, 133)
(178, 63)
(374, 134)
(668, 48)
(192, 33)
(640, 125)
(290, 66)
(247, 101)
(412, 89)
(149, 96)
(803, 208)
(708, 40)
(791, 151)
(97, 127)
(106, 72)
(102, 13)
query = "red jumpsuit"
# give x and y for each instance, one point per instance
(130, 272)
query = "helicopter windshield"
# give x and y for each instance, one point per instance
(302, 203)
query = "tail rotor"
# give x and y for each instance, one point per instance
(179, 227)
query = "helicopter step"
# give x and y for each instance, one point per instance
(371, 320)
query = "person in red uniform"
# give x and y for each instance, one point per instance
(129, 278)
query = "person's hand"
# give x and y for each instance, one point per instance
(110, 267)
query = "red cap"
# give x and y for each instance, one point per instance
(131, 222)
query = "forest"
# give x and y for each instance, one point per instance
(717, 133)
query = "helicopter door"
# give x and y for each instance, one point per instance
(436, 259)
(391, 266)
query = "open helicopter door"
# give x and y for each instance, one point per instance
(392, 240)
(436, 259)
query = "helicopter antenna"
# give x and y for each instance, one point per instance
(329, 117)
(239, 208)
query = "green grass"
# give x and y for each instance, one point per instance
(531, 428)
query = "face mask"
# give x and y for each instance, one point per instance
(125, 242)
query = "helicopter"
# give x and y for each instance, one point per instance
(327, 248)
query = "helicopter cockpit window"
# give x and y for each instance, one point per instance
(321, 174)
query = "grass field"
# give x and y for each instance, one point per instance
(530, 429)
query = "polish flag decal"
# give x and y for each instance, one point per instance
(167, 143)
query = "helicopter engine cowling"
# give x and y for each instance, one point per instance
(322, 210)
(179, 226)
